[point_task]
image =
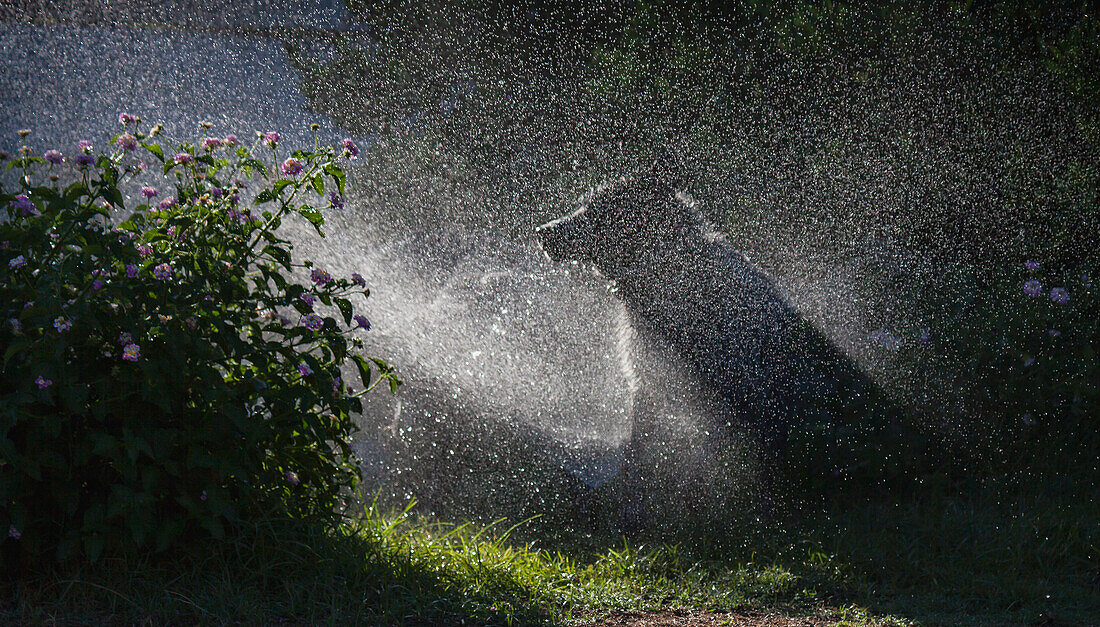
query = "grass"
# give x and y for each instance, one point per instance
(977, 560)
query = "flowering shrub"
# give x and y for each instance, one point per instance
(165, 375)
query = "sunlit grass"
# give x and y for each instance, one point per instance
(952, 561)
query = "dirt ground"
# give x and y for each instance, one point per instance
(698, 618)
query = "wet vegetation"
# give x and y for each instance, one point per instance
(936, 164)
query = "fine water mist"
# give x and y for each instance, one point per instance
(874, 204)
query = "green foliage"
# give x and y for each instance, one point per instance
(165, 373)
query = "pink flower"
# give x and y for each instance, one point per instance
(53, 156)
(24, 205)
(166, 204)
(84, 146)
(145, 250)
(292, 167)
(351, 151)
(62, 324)
(312, 321)
(126, 141)
(320, 276)
(149, 192)
(17, 262)
(131, 352)
(271, 139)
(210, 143)
(163, 272)
(231, 140)
(291, 477)
(184, 157)
(42, 382)
(125, 119)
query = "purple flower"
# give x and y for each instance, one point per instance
(291, 477)
(292, 167)
(308, 298)
(1027, 419)
(1059, 295)
(13, 533)
(184, 157)
(145, 250)
(163, 272)
(62, 324)
(84, 146)
(336, 200)
(350, 149)
(43, 382)
(53, 156)
(305, 369)
(192, 322)
(1032, 265)
(312, 321)
(358, 279)
(320, 277)
(16, 325)
(210, 143)
(24, 205)
(17, 262)
(1029, 362)
(126, 141)
(1085, 280)
(337, 384)
(1033, 288)
(166, 204)
(83, 161)
(230, 140)
(1054, 333)
(271, 139)
(216, 192)
(924, 337)
(131, 352)
(97, 285)
(149, 192)
(202, 495)
(126, 118)
(125, 338)
(362, 322)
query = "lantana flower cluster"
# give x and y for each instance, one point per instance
(156, 328)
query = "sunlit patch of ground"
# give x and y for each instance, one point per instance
(703, 618)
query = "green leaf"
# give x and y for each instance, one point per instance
(280, 185)
(156, 150)
(314, 216)
(337, 175)
(364, 369)
(265, 196)
(345, 308)
(319, 185)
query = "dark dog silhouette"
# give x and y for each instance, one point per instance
(692, 301)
